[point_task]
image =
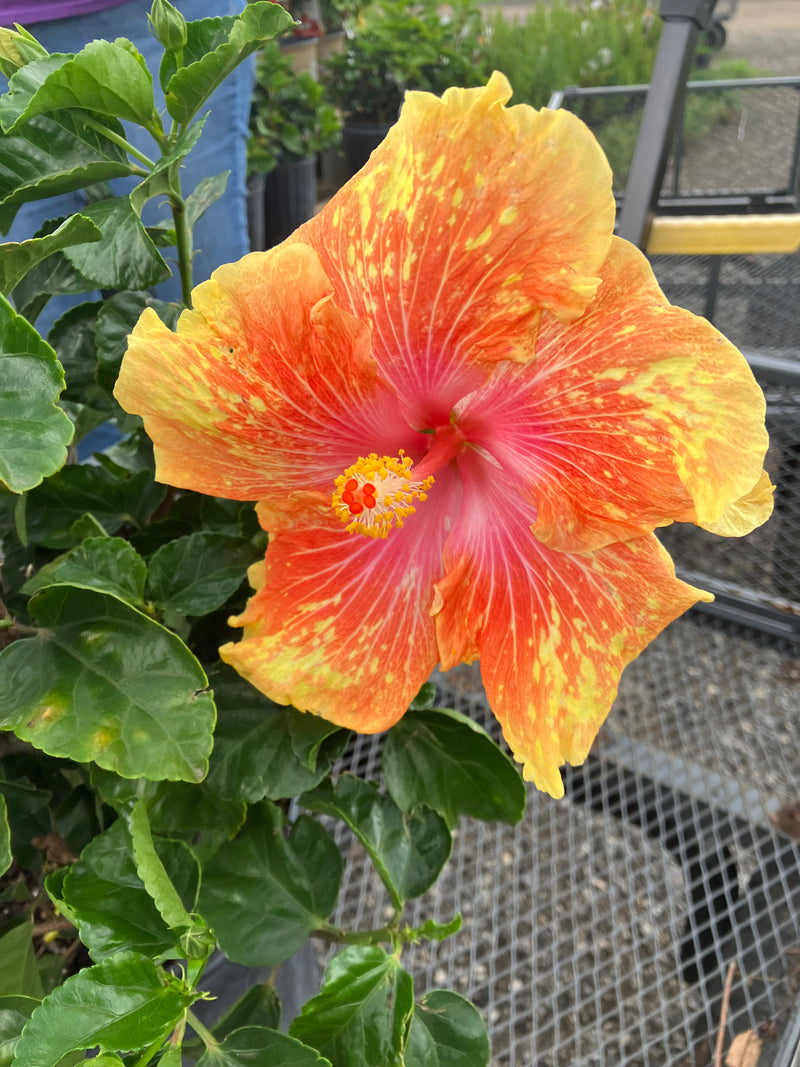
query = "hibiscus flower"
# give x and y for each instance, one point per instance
(463, 407)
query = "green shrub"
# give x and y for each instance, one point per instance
(290, 116)
(612, 42)
(399, 46)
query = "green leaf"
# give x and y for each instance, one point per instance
(361, 1016)
(55, 154)
(205, 193)
(86, 526)
(447, 1031)
(54, 884)
(34, 433)
(431, 930)
(118, 1004)
(191, 812)
(17, 258)
(85, 419)
(103, 682)
(118, 315)
(28, 815)
(258, 1007)
(264, 894)
(53, 276)
(5, 837)
(158, 182)
(215, 47)
(14, 1013)
(19, 975)
(442, 758)
(125, 257)
(78, 490)
(262, 749)
(104, 77)
(28, 79)
(107, 564)
(408, 850)
(72, 338)
(425, 698)
(196, 574)
(196, 813)
(253, 1045)
(51, 973)
(152, 872)
(109, 902)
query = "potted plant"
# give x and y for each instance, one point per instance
(399, 46)
(300, 45)
(290, 122)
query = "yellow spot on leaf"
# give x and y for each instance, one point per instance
(101, 739)
(48, 713)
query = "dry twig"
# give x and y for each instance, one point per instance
(723, 1014)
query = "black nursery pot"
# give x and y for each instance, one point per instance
(281, 201)
(359, 140)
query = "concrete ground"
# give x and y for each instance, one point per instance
(767, 32)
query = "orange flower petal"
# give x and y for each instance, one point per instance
(743, 516)
(466, 222)
(553, 632)
(340, 624)
(635, 415)
(265, 389)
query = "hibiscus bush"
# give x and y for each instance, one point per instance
(462, 408)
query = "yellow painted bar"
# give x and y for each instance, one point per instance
(717, 235)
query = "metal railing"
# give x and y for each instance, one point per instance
(782, 195)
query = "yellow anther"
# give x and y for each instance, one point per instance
(377, 493)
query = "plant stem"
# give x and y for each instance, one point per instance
(18, 629)
(149, 1052)
(176, 1037)
(115, 137)
(358, 937)
(155, 128)
(206, 1036)
(183, 245)
(7, 622)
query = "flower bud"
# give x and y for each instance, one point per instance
(17, 47)
(167, 25)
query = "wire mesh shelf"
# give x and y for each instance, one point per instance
(599, 930)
